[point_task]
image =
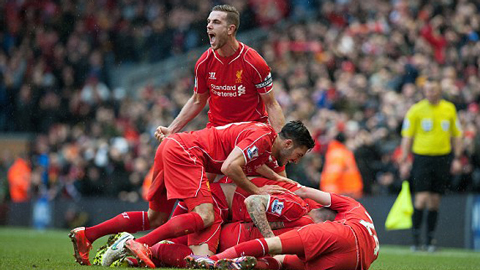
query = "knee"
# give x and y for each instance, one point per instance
(207, 219)
(207, 214)
(155, 219)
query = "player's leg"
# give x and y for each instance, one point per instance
(171, 254)
(82, 238)
(201, 216)
(241, 256)
(206, 241)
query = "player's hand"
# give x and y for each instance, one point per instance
(271, 189)
(161, 133)
(288, 180)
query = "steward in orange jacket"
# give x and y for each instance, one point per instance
(340, 173)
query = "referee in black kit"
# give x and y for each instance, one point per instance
(432, 126)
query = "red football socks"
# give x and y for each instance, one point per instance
(177, 226)
(256, 248)
(171, 255)
(131, 222)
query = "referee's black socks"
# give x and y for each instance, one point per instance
(432, 217)
(417, 224)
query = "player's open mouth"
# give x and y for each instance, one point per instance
(212, 38)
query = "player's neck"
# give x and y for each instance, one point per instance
(277, 145)
(229, 48)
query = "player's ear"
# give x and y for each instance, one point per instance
(231, 29)
(288, 143)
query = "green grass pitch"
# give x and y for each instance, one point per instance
(28, 249)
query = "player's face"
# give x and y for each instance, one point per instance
(291, 154)
(217, 29)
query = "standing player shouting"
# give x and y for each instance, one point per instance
(233, 78)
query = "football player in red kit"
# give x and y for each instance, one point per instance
(180, 168)
(349, 242)
(233, 78)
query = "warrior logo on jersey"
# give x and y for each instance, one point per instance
(212, 75)
(239, 76)
(277, 207)
(252, 152)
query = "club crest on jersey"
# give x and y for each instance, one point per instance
(212, 75)
(252, 152)
(239, 76)
(277, 207)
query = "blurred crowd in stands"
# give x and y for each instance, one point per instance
(345, 66)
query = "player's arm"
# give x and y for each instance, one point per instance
(257, 209)
(268, 173)
(232, 167)
(192, 108)
(321, 197)
(275, 113)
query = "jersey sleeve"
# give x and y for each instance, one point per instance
(261, 75)
(256, 146)
(342, 203)
(456, 128)
(408, 126)
(200, 74)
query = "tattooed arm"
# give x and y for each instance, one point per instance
(256, 207)
(275, 225)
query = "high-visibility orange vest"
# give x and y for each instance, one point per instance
(19, 180)
(340, 173)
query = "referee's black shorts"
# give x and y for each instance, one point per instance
(431, 173)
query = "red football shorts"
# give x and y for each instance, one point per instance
(328, 245)
(178, 174)
(211, 235)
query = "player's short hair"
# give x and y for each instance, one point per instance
(233, 16)
(323, 214)
(298, 133)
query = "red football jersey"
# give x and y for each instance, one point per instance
(281, 207)
(234, 84)
(213, 145)
(353, 214)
